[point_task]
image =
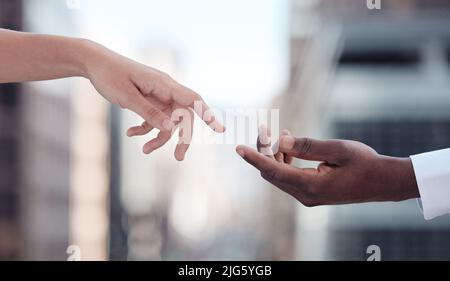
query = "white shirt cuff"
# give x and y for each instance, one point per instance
(432, 170)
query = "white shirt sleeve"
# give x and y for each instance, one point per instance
(432, 170)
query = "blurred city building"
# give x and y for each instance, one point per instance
(54, 177)
(390, 90)
(10, 109)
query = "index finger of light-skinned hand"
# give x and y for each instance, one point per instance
(188, 97)
(154, 117)
(272, 170)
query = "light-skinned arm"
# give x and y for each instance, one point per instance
(126, 83)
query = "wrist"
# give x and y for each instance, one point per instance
(85, 54)
(94, 56)
(399, 178)
(89, 54)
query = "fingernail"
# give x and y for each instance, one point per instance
(240, 151)
(168, 125)
(264, 135)
(287, 142)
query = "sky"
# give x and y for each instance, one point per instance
(233, 52)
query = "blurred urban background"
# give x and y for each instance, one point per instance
(335, 69)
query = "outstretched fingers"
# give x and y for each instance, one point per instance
(141, 130)
(162, 138)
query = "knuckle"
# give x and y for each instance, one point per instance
(168, 91)
(165, 76)
(152, 113)
(303, 145)
(145, 125)
(146, 87)
(342, 151)
(196, 96)
(124, 103)
(171, 87)
(343, 146)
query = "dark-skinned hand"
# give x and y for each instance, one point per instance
(349, 171)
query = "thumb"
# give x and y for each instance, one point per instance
(311, 149)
